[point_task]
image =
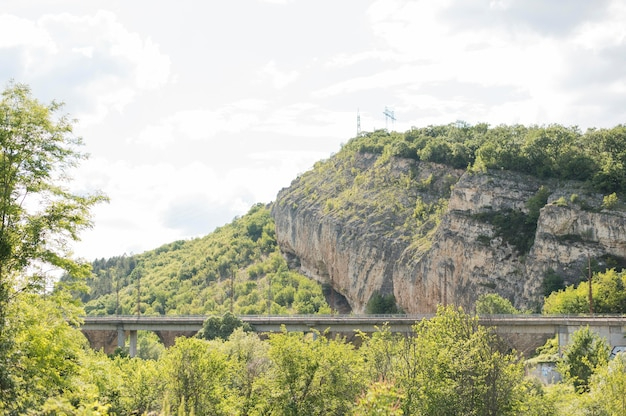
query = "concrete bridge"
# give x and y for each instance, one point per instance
(523, 332)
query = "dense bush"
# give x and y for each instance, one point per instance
(382, 304)
(494, 304)
(608, 295)
(222, 327)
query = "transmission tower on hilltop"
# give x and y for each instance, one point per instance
(358, 123)
(389, 115)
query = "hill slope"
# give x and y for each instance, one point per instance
(237, 267)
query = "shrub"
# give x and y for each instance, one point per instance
(610, 201)
(493, 304)
(382, 304)
(551, 282)
(216, 327)
(561, 202)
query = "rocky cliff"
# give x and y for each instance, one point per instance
(429, 234)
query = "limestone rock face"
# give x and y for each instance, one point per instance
(373, 245)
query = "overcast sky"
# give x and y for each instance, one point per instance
(193, 111)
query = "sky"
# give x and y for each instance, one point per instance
(193, 111)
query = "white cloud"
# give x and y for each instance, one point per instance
(344, 60)
(276, 1)
(504, 44)
(98, 63)
(403, 76)
(18, 32)
(102, 32)
(280, 79)
(156, 204)
(302, 119)
(202, 124)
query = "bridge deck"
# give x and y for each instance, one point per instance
(524, 332)
(351, 322)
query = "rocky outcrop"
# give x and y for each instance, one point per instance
(361, 244)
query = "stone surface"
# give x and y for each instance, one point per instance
(457, 260)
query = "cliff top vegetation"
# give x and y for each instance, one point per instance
(597, 156)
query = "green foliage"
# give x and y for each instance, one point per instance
(610, 201)
(494, 304)
(382, 304)
(608, 386)
(142, 386)
(47, 352)
(196, 377)
(548, 352)
(535, 203)
(456, 359)
(380, 352)
(514, 226)
(586, 353)
(249, 365)
(149, 346)
(598, 156)
(381, 399)
(561, 202)
(608, 290)
(238, 265)
(52, 369)
(552, 282)
(37, 149)
(314, 375)
(450, 365)
(39, 216)
(215, 327)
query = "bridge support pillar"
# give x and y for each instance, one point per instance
(132, 351)
(563, 338)
(121, 337)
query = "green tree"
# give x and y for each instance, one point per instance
(552, 282)
(608, 386)
(38, 216)
(313, 375)
(250, 364)
(454, 366)
(494, 304)
(142, 385)
(196, 377)
(382, 304)
(52, 370)
(610, 201)
(381, 353)
(381, 399)
(586, 353)
(216, 327)
(609, 295)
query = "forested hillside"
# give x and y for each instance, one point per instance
(236, 268)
